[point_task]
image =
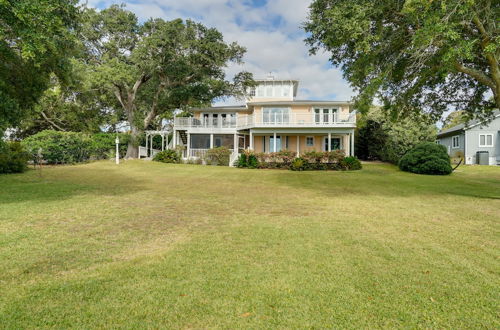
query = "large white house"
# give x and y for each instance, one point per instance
(270, 120)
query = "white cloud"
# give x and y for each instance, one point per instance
(271, 34)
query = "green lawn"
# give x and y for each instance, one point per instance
(184, 246)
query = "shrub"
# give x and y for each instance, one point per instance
(242, 161)
(351, 163)
(335, 156)
(426, 158)
(13, 158)
(218, 156)
(252, 161)
(314, 156)
(59, 147)
(167, 156)
(103, 144)
(299, 164)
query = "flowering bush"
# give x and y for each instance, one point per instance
(218, 156)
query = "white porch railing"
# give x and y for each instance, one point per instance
(296, 120)
(200, 153)
(191, 122)
(269, 120)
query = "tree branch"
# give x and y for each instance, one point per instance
(476, 74)
(51, 122)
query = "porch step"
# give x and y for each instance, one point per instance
(183, 136)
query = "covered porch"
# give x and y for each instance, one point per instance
(301, 142)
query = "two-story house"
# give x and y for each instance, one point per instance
(271, 120)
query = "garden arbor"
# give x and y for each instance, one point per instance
(148, 150)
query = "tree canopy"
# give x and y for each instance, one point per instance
(414, 54)
(149, 69)
(384, 138)
(36, 38)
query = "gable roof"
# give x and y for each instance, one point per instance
(465, 126)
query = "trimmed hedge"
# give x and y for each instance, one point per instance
(13, 158)
(313, 160)
(427, 158)
(73, 147)
(218, 156)
(167, 156)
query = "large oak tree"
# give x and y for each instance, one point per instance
(414, 54)
(157, 66)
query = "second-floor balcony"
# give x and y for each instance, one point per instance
(296, 120)
(269, 120)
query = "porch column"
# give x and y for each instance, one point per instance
(251, 140)
(274, 142)
(298, 145)
(329, 141)
(188, 148)
(351, 149)
(162, 142)
(235, 146)
(147, 144)
(151, 144)
(174, 138)
(211, 141)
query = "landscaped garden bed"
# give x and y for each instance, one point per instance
(312, 160)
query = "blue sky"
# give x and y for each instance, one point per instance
(269, 29)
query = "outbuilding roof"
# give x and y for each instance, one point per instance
(466, 126)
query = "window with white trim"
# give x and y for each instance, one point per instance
(275, 115)
(455, 142)
(486, 140)
(310, 141)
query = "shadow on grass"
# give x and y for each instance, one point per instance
(64, 182)
(388, 180)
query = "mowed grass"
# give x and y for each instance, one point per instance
(149, 245)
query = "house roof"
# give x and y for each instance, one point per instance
(465, 126)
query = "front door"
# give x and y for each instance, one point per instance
(271, 143)
(335, 141)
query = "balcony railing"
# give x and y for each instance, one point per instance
(191, 122)
(296, 120)
(270, 120)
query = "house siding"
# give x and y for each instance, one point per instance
(472, 142)
(448, 143)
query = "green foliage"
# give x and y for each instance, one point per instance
(73, 147)
(384, 138)
(36, 38)
(59, 147)
(313, 160)
(426, 158)
(413, 55)
(351, 163)
(299, 164)
(167, 156)
(218, 156)
(73, 107)
(247, 159)
(149, 69)
(102, 144)
(13, 158)
(455, 118)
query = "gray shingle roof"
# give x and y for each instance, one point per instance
(465, 126)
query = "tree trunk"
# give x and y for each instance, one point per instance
(133, 144)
